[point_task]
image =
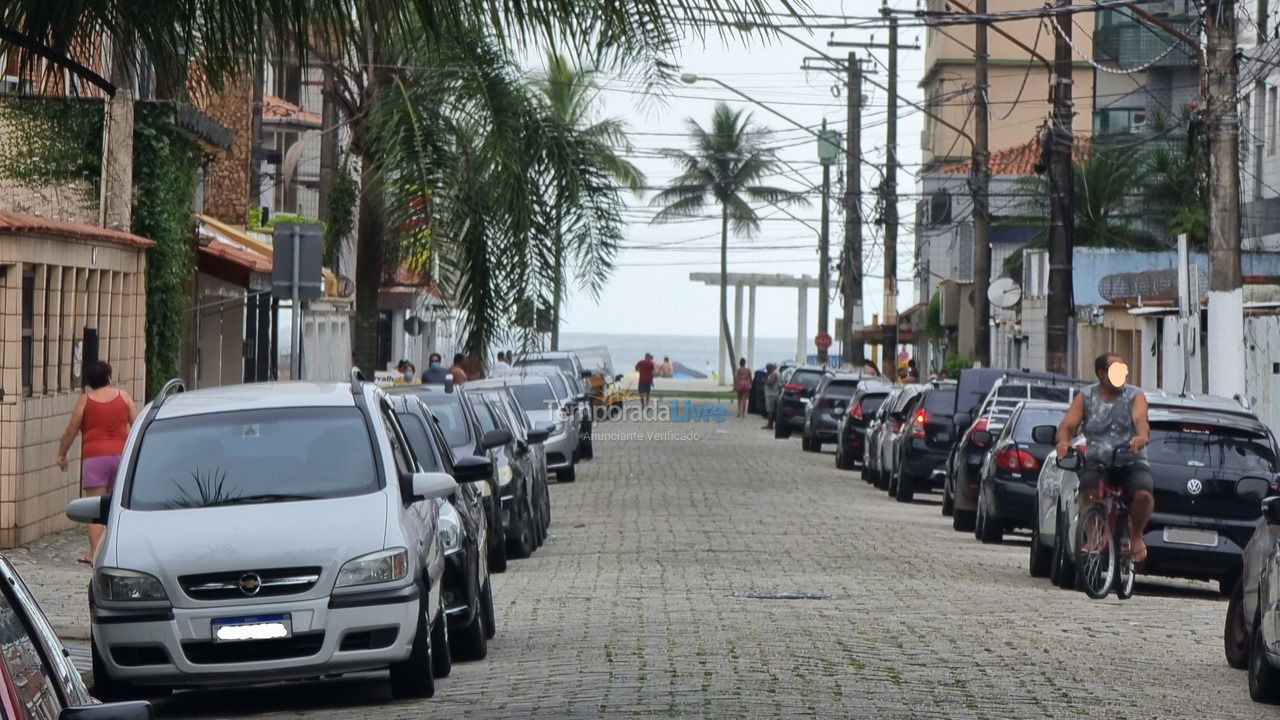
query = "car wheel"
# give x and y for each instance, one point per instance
(979, 519)
(522, 545)
(780, 432)
(815, 445)
(883, 478)
(441, 657)
(1235, 636)
(471, 642)
(963, 520)
(990, 530)
(1227, 584)
(413, 677)
(843, 461)
(1041, 559)
(1264, 679)
(804, 441)
(486, 609)
(906, 488)
(1063, 570)
(567, 475)
(948, 501)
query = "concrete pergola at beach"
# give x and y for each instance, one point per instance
(751, 281)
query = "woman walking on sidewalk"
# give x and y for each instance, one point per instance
(742, 385)
(103, 416)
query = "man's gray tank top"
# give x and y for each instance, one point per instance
(1108, 424)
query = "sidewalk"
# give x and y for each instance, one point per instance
(49, 568)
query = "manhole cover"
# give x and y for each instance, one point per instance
(784, 595)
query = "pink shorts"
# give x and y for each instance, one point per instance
(100, 471)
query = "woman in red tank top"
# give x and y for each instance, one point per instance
(102, 417)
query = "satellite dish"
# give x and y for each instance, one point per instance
(1004, 293)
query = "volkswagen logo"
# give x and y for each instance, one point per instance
(250, 583)
(1194, 487)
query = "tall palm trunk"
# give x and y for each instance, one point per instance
(724, 287)
(557, 282)
(369, 266)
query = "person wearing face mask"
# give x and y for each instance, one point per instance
(435, 372)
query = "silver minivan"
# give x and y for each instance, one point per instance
(268, 532)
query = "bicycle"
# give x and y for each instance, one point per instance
(1104, 560)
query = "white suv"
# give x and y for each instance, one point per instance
(267, 532)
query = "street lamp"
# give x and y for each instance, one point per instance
(829, 149)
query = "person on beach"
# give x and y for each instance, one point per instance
(742, 385)
(102, 417)
(665, 370)
(459, 375)
(646, 369)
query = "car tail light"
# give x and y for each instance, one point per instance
(792, 388)
(981, 424)
(917, 427)
(855, 411)
(1015, 460)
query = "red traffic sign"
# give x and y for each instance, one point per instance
(823, 341)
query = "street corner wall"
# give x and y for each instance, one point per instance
(226, 179)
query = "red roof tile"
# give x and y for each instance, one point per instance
(1016, 160)
(274, 108)
(13, 223)
(220, 247)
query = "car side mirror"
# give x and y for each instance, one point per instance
(135, 710)
(980, 437)
(472, 468)
(1271, 510)
(448, 383)
(89, 510)
(495, 438)
(1253, 488)
(963, 420)
(539, 435)
(1044, 434)
(585, 374)
(1071, 462)
(432, 485)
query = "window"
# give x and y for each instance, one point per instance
(28, 325)
(420, 440)
(448, 414)
(1271, 121)
(33, 683)
(401, 453)
(253, 456)
(484, 417)
(537, 397)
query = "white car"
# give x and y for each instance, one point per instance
(268, 532)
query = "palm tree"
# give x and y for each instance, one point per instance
(726, 164)
(581, 212)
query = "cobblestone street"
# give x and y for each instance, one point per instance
(641, 603)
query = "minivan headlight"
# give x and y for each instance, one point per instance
(117, 585)
(379, 567)
(450, 529)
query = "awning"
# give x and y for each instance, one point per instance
(14, 223)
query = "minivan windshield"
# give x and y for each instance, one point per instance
(564, 363)
(252, 456)
(447, 410)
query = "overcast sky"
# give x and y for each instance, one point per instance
(650, 291)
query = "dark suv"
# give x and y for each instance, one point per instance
(822, 415)
(923, 445)
(851, 437)
(1007, 492)
(789, 415)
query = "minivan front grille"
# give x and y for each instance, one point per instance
(241, 584)
(205, 652)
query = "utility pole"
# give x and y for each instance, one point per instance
(1226, 296)
(980, 186)
(851, 284)
(890, 342)
(824, 247)
(1060, 141)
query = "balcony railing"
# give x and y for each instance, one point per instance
(1122, 42)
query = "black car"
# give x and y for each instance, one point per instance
(529, 439)
(829, 403)
(1007, 492)
(923, 446)
(515, 479)
(851, 437)
(1004, 390)
(796, 393)
(457, 420)
(468, 594)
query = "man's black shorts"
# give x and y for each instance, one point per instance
(1130, 479)
(645, 387)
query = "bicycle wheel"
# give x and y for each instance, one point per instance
(1096, 553)
(1124, 563)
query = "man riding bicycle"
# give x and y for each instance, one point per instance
(1112, 414)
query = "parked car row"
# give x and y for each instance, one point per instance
(987, 442)
(295, 530)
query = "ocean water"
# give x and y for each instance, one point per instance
(698, 352)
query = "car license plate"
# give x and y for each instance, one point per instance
(252, 627)
(1187, 536)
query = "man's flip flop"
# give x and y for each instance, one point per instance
(85, 560)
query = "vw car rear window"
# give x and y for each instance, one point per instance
(253, 456)
(1029, 418)
(807, 379)
(840, 390)
(1189, 444)
(940, 401)
(871, 403)
(535, 397)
